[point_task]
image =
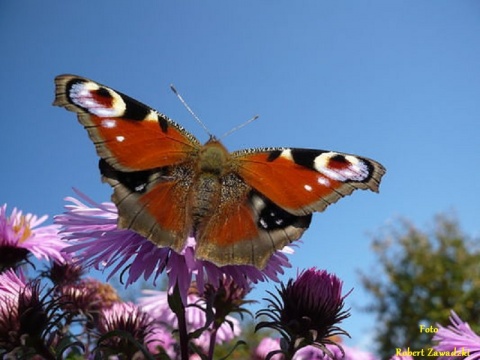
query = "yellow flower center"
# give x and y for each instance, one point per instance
(23, 227)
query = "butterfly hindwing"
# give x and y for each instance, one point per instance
(249, 231)
(152, 202)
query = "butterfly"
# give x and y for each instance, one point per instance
(241, 206)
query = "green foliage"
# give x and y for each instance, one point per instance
(422, 276)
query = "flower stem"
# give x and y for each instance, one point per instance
(213, 338)
(176, 304)
(182, 331)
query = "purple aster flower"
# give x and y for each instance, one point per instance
(21, 236)
(66, 273)
(312, 352)
(226, 297)
(129, 319)
(10, 287)
(334, 353)
(458, 339)
(351, 353)
(25, 317)
(307, 311)
(12, 284)
(86, 296)
(156, 304)
(265, 347)
(159, 339)
(92, 230)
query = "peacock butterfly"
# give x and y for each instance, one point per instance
(240, 206)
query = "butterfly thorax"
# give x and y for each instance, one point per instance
(206, 193)
(212, 158)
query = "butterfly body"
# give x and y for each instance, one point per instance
(240, 206)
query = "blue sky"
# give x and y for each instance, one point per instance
(397, 81)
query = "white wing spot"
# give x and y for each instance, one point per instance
(109, 123)
(307, 187)
(323, 181)
(120, 138)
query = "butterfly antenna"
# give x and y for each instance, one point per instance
(189, 109)
(239, 126)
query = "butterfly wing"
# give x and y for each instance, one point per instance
(127, 134)
(145, 157)
(302, 181)
(153, 203)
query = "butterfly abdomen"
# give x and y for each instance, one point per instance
(205, 197)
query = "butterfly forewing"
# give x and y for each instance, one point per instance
(127, 134)
(302, 181)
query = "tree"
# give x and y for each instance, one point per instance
(422, 276)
